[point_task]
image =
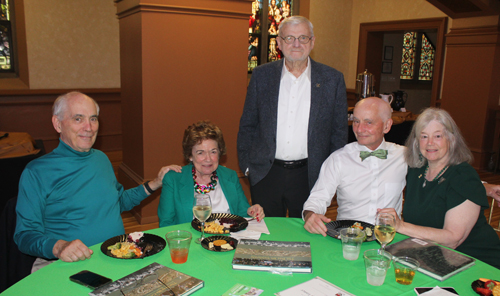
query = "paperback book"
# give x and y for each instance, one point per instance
(317, 287)
(435, 261)
(154, 279)
(273, 256)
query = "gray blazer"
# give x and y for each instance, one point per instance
(327, 129)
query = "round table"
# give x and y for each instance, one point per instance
(215, 268)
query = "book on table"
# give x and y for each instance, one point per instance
(273, 256)
(435, 261)
(154, 279)
(317, 287)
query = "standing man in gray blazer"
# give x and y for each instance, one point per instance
(295, 116)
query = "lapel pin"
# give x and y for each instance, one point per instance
(317, 84)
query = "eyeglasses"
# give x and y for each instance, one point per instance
(303, 39)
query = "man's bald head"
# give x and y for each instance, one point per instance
(372, 120)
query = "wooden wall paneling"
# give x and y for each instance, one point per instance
(470, 87)
(31, 111)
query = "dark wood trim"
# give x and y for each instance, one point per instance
(467, 8)
(21, 51)
(30, 92)
(370, 47)
(480, 36)
(159, 8)
(18, 97)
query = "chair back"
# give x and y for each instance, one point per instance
(492, 209)
(14, 265)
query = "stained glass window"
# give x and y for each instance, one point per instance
(408, 58)
(278, 10)
(254, 35)
(263, 30)
(274, 53)
(5, 37)
(426, 59)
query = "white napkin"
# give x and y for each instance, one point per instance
(253, 231)
(437, 291)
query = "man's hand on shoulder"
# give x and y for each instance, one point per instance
(315, 223)
(71, 251)
(157, 182)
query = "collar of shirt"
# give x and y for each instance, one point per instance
(306, 73)
(382, 145)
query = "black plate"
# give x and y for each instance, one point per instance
(242, 222)
(157, 242)
(477, 284)
(334, 227)
(207, 240)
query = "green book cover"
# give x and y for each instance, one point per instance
(273, 255)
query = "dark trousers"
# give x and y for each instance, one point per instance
(281, 190)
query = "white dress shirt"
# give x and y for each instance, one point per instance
(294, 103)
(361, 186)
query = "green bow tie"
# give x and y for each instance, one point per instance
(380, 153)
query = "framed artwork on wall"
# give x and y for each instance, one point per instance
(388, 50)
(386, 67)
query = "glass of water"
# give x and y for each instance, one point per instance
(377, 262)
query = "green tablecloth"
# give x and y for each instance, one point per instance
(215, 268)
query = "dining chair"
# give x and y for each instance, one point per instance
(14, 265)
(492, 208)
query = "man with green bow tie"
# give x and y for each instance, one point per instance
(366, 175)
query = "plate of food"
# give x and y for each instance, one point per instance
(135, 245)
(334, 227)
(221, 223)
(486, 287)
(219, 243)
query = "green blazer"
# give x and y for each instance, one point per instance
(176, 201)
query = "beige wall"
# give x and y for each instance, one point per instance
(332, 28)
(339, 20)
(72, 44)
(64, 35)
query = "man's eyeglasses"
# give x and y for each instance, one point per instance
(303, 39)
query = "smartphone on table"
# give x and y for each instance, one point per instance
(90, 279)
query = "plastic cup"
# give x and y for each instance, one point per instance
(405, 269)
(178, 244)
(352, 238)
(377, 262)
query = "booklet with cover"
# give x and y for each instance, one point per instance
(154, 279)
(273, 256)
(435, 261)
(317, 287)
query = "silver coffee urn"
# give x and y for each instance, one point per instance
(365, 85)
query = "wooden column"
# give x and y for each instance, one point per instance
(471, 83)
(181, 62)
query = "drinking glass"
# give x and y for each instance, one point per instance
(202, 208)
(405, 269)
(178, 244)
(376, 263)
(352, 238)
(385, 228)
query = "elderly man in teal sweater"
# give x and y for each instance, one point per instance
(70, 199)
